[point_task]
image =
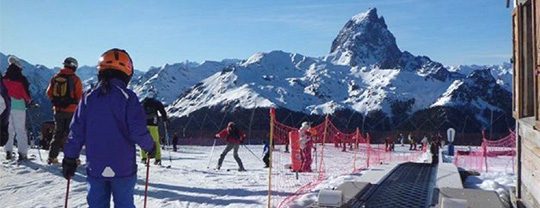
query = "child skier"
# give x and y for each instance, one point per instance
(266, 153)
(109, 121)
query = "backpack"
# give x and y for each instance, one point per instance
(62, 91)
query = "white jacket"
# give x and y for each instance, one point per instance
(304, 138)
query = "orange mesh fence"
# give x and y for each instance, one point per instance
(333, 153)
(500, 154)
(492, 155)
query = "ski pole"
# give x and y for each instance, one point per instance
(67, 193)
(251, 152)
(169, 143)
(211, 154)
(146, 184)
(39, 152)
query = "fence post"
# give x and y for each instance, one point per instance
(326, 120)
(271, 149)
(355, 152)
(368, 149)
(484, 149)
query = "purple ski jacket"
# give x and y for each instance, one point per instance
(109, 124)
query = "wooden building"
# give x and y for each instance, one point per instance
(526, 99)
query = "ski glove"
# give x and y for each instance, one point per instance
(69, 166)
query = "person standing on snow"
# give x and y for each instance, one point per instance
(412, 142)
(175, 141)
(18, 90)
(234, 137)
(151, 107)
(337, 140)
(5, 109)
(64, 91)
(424, 143)
(306, 144)
(434, 149)
(109, 121)
(266, 153)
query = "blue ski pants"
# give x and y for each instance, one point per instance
(100, 190)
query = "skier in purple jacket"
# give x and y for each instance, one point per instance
(109, 121)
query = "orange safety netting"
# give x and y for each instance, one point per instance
(493, 155)
(334, 153)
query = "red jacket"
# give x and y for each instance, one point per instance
(16, 90)
(224, 134)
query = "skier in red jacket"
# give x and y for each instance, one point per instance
(234, 137)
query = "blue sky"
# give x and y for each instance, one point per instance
(168, 31)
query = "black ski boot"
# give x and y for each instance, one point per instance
(22, 157)
(8, 155)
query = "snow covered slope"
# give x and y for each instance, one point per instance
(170, 81)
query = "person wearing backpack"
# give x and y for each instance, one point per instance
(109, 122)
(18, 90)
(152, 107)
(65, 90)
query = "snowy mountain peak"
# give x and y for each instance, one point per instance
(365, 41)
(370, 15)
(480, 77)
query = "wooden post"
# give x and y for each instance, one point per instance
(323, 141)
(271, 149)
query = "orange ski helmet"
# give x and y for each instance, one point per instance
(116, 59)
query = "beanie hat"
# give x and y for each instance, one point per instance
(14, 60)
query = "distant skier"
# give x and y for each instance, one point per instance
(338, 139)
(401, 139)
(175, 141)
(18, 89)
(152, 107)
(287, 143)
(388, 143)
(234, 137)
(434, 149)
(424, 143)
(412, 142)
(64, 90)
(306, 144)
(47, 133)
(109, 121)
(266, 153)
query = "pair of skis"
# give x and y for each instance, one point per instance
(212, 154)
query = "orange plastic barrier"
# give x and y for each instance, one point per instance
(296, 160)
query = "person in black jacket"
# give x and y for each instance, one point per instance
(153, 107)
